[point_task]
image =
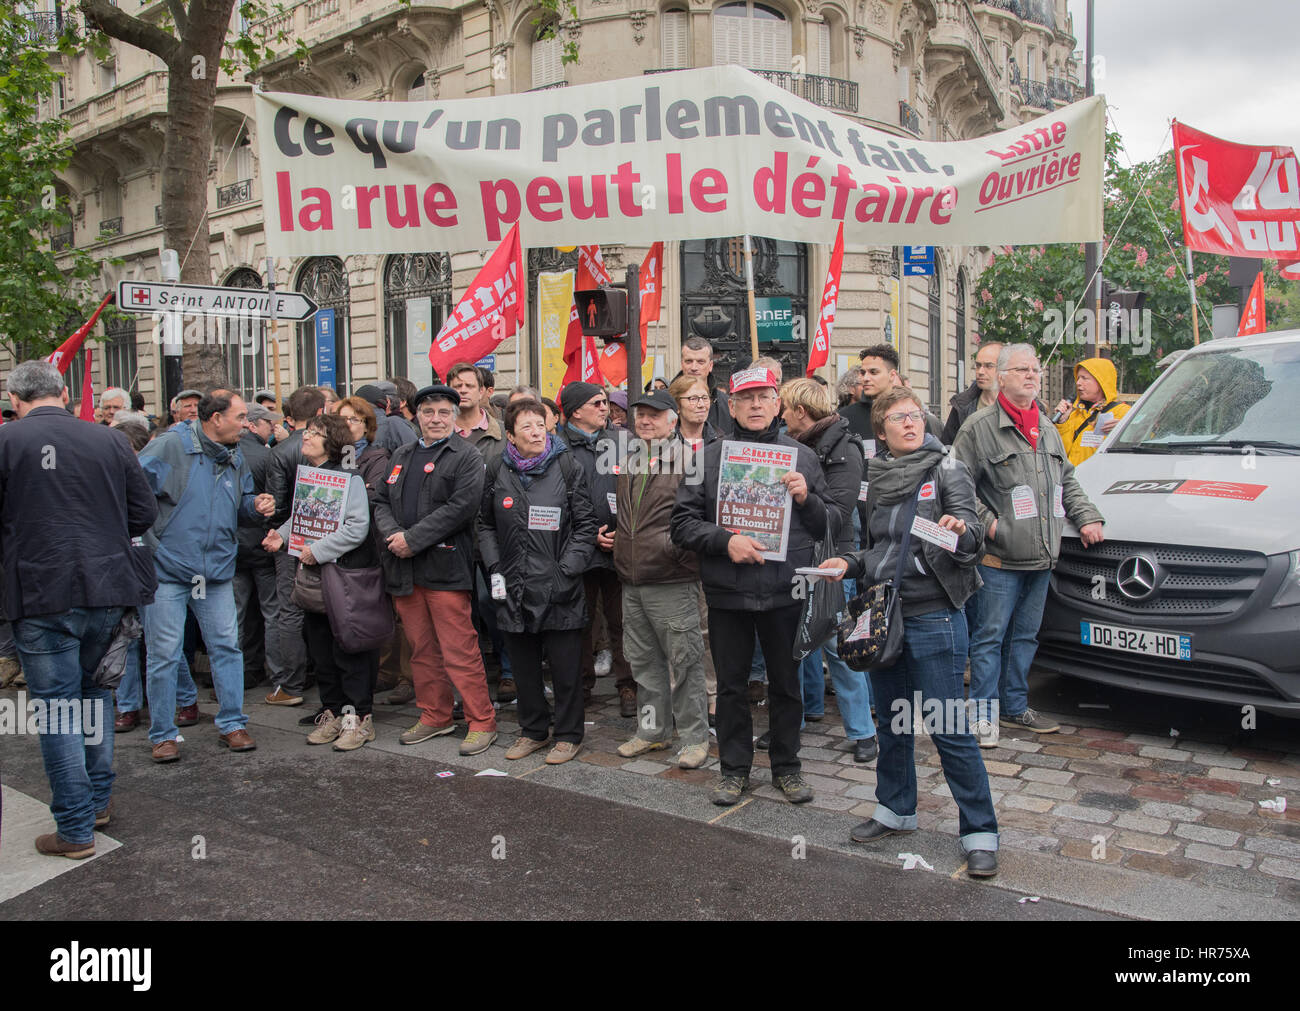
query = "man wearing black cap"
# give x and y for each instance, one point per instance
(586, 411)
(425, 514)
(749, 595)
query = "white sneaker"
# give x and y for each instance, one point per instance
(986, 732)
(604, 663)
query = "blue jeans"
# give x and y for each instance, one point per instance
(164, 630)
(934, 656)
(130, 694)
(1009, 612)
(59, 654)
(852, 687)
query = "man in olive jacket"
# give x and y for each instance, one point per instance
(661, 617)
(1026, 489)
(425, 514)
(749, 595)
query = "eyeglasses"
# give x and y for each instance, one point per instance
(602, 402)
(354, 421)
(314, 431)
(704, 399)
(1025, 369)
(899, 417)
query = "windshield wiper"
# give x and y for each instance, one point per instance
(1237, 444)
(1141, 447)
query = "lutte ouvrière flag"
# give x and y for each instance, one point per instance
(1252, 320)
(490, 311)
(87, 390)
(62, 356)
(819, 351)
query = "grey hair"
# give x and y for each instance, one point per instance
(531, 391)
(668, 410)
(1009, 351)
(115, 393)
(844, 387)
(35, 380)
(130, 418)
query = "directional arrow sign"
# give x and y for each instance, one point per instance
(202, 300)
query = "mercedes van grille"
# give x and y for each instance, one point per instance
(1193, 581)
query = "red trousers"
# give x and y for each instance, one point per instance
(445, 652)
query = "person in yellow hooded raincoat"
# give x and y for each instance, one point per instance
(1096, 396)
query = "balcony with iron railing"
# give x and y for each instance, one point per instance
(61, 239)
(43, 29)
(551, 86)
(1062, 89)
(236, 193)
(1035, 94)
(828, 92)
(110, 227)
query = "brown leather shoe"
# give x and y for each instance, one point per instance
(238, 740)
(401, 695)
(187, 716)
(53, 845)
(627, 701)
(126, 722)
(166, 751)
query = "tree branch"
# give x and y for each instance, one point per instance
(178, 15)
(131, 30)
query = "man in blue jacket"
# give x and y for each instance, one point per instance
(71, 498)
(204, 490)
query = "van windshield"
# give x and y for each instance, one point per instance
(1221, 401)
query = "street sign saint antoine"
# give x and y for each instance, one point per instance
(202, 300)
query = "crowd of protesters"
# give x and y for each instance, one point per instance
(509, 562)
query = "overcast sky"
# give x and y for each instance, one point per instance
(1224, 68)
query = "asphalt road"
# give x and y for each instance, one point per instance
(290, 832)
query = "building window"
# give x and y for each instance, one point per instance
(324, 343)
(548, 48)
(417, 300)
(676, 40)
(961, 330)
(824, 49)
(119, 352)
(751, 34)
(107, 76)
(418, 90)
(245, 342)
(936, 338)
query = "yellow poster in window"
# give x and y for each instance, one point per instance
(554, 300)
(892, 321)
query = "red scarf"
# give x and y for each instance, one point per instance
(1026, 420)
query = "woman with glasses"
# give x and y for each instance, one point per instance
(916, 479)
(692, 396)
(346, 680)
(370, 460)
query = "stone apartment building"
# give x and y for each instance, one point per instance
(923, 69)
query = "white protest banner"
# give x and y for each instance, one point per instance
(682, 155)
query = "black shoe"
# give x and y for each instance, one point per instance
(981, 863)
(458, 710)
(866, 749)
(765, 741)
(307, 721)
(870, 831)
(814, 718)
(729, 789)
(713, 720)
(795, 789)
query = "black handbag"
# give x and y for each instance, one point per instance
(823, 603)
(357, 604)
(308, 592)
(871, 636)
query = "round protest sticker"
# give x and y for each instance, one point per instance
(507, 502)
(428, 468)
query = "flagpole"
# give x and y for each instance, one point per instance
(749, 289)
(1191, 291)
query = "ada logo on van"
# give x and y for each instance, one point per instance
(1174, 486)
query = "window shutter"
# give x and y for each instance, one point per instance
(824, 49)
(676, 54)
(729, 40)
(547, 68)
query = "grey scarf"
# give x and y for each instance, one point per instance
(892, 479)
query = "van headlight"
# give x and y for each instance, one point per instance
(1289, 592)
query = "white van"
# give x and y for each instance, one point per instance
(1195, 591)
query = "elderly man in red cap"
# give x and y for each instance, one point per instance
(748, 585)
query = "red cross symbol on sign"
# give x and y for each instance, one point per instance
(139, 296)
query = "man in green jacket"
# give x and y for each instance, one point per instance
(1025, 489)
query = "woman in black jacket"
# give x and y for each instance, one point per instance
(537, 532)
(917, 481)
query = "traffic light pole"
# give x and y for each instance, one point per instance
(633, 341)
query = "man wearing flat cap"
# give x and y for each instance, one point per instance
(392, 430)
(425, 514)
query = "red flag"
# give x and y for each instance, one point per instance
(1237, 199)
(63, 355)
(87, 390)
(490, 311)
(613, 357)
(592, 272)
(820, 349)
(1252, 320)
